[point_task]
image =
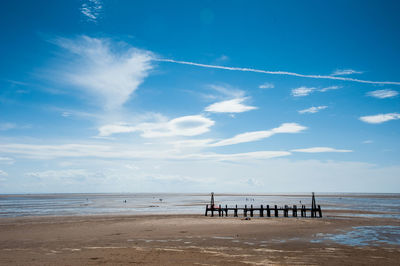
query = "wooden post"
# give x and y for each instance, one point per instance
(251, 210)
(212, 204)
(262, 211)
(226, 210)
(268, 211)
(313, 206)
(219, 210)
(305, 210)
(319, 210)
(276, 211)
(286, 211)
(235, 214)
(245, 211)
(294, 211)
(206, 209)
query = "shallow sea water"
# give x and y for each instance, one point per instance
(388, 205)
(364, 236)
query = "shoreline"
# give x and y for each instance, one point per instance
(327, 213)
(186, 240)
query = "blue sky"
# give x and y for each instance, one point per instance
(185, 96)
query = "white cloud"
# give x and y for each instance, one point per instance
(380, 118)
(382, 94)
(230, 106)
(305, 91)
(106, 72)
(329, 88)
(189, 143)
(108, 130)
(368, 141)
(6, 160)
(91, 9)
(320, 149)
(123, 152)
(313, 109)
(258, 135)
(302, 91)
(267, 85)
(66, 114)
(2, 173)
(227, 91)
(257, 155)
(60, 174)
(285, 73)
(340, 72)
(191, 125)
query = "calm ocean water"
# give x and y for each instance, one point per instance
(386, 205)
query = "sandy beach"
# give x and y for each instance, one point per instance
(187, 240)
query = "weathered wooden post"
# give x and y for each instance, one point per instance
(276, 211)
(212, 204)
(262, 211)
(245, 211)
(251, 210)
(206, 209)
(226, 210)
(286, 211)
(219, 210)
(313, 206)
(294, 211)
(235, 211)
(319, 210)
(268, 211)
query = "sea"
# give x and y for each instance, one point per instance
(344, 204)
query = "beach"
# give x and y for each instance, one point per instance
(193, 240)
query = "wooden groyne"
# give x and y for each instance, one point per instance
(265, 211)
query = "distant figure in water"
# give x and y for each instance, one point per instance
(160, 199)
(124, 201)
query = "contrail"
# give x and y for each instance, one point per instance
(279, 72)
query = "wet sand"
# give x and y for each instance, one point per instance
(186, 240)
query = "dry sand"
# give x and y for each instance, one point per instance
(185, 240)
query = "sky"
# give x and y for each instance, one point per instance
(199, 96)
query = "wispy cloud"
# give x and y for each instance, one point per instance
(305, 91)
(2, 173)
(380, 118)
(258, 135)
(329, 88)
(320, 149)
(267, 85)
(341, 72)
(108, 72)
(279, 72)
(227, 91)
(7, 126)
(241, 156)
(302, 91)
(60, 174)
(91, 9)
(6, 160)
(382, 94)
(230, 106)
(181, 126)
(313, 109)
(123, 152)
